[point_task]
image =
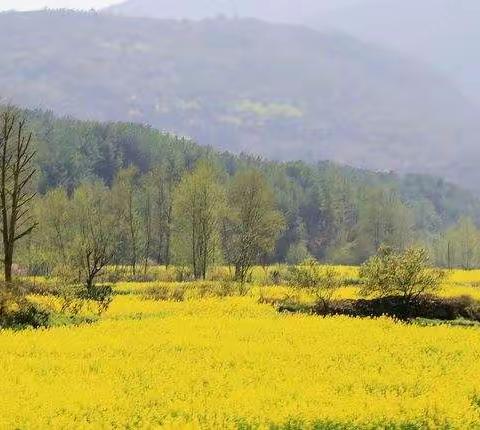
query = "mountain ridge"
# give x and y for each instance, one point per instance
(280, 91)
(442, 33)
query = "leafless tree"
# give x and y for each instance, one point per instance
(16, 183)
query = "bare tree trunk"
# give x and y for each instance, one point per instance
(194, 250)
(132, 233)
(168, 235)
(148, 231)
(8, 266)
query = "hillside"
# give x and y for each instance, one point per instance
(443, 33)
(281, 91)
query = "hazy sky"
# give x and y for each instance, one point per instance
(40, 4)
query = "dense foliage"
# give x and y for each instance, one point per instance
(406, 274)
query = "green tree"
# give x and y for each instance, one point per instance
(126, 196)
(163, 180)
(253, 223)
(297, 253)
(383, 220)
(55, 233)
(466, 238)
(198, 207)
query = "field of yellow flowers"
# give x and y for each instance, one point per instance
(234, 363)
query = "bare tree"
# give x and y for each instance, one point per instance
(126, 193)
(16, 176)
(92, 221)
(147, 222)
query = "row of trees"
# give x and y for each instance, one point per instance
(174, 202)
(195, 220)
(203, 218)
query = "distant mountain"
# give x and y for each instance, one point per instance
(443, 33)
(284, 11)
(281, 91)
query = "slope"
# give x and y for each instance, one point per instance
(281, 91)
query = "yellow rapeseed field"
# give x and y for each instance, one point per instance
(233, 363)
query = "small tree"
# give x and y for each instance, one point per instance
(54, 236)
(163, 179)
(320, 281)
(126, 205)
(406, 274)
(92, 245)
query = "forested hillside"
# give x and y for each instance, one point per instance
(335, 213)
(280, 91)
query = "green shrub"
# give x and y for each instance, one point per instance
(320, 281)
(61, 320)
(404, 274)
(101, 295)
(158, 293)
(17, 312)
(70, 298)
(161, 292)
(178, 293)
(278, 275)
(183, 274)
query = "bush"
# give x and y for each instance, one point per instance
(162, 292)
(178, 292)
(71, 299)
(17, 312)
(101, 295)
(28, 315)
(114, 276)
(220, 274)
(183, 274)
(140, 277)
(75, 298)
(224, 288)
(159, 293)
(425, 306)
(404, 274)
(278, 275)
(320, 281)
